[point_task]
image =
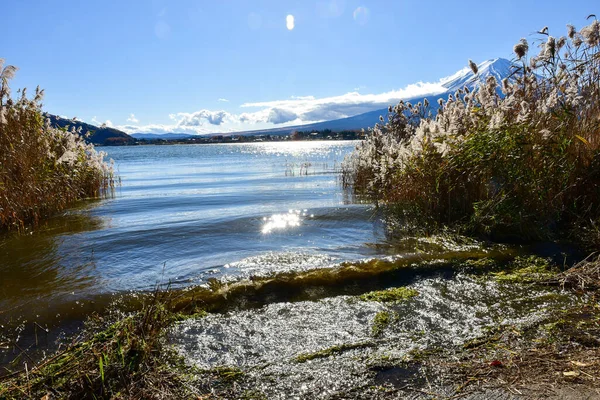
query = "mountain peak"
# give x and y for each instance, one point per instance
(499, 68)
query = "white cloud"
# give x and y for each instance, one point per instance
(132, 119)
(311, 109)
(280, 116)
(200, 118)
(159, 128)
(223, 100)
(96, 122)
(293, 111)
(254, 117)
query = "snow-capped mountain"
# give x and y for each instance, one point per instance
(499, 68)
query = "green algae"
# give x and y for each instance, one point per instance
(256, 291)
(235, 383)
(392, 295)
(481, 264)
(381, 321)
(530, 269)
(227, 374)
(178, 317)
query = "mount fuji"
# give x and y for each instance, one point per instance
(499, 68)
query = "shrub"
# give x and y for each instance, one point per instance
(520, 157)
(42, 169)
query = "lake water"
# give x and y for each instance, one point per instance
(184, 214)
(187, 213)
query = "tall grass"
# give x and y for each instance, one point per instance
(518, 157)
(115, 357)
(42, 169)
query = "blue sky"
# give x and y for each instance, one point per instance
(215, 66)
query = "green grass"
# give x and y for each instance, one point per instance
(126, 358)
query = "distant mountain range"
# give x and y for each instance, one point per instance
(499, 68)
(164, 136)
(97, 135)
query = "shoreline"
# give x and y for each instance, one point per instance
(470, 362)
(239, 139)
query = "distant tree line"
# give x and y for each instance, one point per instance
(325, 134)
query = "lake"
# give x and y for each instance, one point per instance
(183, 214)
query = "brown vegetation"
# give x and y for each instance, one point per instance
(519, 157)
(42, 169)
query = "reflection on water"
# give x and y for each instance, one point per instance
(47, 281)
(297, 150)
(283, 221)
(48, 262)
(184, 214)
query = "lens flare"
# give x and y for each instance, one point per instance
(361, 15)
(289, 22)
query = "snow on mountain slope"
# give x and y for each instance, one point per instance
(500, 68)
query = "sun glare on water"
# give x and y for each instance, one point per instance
(283, 221)
(289, 22)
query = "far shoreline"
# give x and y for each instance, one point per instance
(325, 135)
